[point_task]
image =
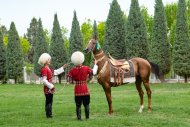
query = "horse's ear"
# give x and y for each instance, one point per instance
(95, 37)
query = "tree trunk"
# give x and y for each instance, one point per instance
(185, 78)
(15, 80)
(59, 77)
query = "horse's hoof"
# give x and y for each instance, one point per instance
(140, 111)
(110, 113)
(149, 110)
(141, 108)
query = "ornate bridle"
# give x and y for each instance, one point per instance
(96, 46)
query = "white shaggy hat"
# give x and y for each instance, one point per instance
(44, 58)
(77, 58)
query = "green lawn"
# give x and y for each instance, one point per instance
(23, 106)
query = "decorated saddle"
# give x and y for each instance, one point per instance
(121, 71)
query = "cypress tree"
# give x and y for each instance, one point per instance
(136, 36)
(76, 39)
(2, 57)
(95, 36)
(95, 30)
(181, 54)
(57, 48)
(114, 42)
(3, 30)
(40, 47)
(14, 64)
(160, 48)
(32, 36)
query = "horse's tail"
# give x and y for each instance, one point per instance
(157, 71)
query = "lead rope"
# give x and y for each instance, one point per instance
(64, 84)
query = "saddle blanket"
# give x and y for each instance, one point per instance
(125, 80)
(121, 76)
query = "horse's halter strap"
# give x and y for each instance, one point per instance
(100, 58)
(94, 45)
(99, 54)
(97, 46)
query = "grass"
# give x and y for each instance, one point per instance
(23, 106)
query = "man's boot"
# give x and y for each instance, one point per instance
(86, 108)
(78, 112)
(48, 111)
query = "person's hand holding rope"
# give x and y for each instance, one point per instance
(65, 66)
(95, 61)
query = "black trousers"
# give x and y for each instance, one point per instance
(48, 105)
(85, 100)
(79, 100)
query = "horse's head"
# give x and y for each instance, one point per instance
(91, 45)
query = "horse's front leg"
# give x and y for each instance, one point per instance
(107, 91)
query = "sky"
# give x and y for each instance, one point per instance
(22, 11)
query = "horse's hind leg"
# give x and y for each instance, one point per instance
(141, 93)
(107, 91)
(148, 90)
